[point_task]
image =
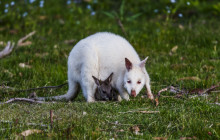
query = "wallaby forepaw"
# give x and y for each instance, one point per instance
(91, 100)
(151, 97)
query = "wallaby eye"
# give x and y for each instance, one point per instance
(139, 82)
(129, 81)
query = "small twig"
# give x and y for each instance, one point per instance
(121, 26)
(209, 89)
(23, 99)
(33, 124)
(120, 124)
(6, 87)
(7, 50)
(216, 91)
(167, 96)
(21, 41)
(51, 119)
(70, 42)
(143, 111)
(171, 89)
(47, 87)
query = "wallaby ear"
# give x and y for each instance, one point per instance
(96, 80)
(142, 64)
(128, 64)
(109, 79)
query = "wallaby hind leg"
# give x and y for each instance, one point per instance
(89, 92)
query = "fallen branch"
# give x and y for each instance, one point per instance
(30, 132)
(7, 50)
(47, 87)
(21, 41)
(121, 26)
(172, 90)
(179, 93)
(203, 91)
(145, 112)
(23, 99)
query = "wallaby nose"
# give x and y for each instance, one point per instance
(133, 93)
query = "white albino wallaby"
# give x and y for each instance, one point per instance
(101, 54)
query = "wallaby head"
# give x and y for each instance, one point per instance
(134, 78)
(104, 89)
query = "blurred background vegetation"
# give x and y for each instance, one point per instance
(22, 15)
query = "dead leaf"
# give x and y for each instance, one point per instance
(2, 43)
(42, 17)
(3, 28)
(193, 78)
(23, 65)
(84, 113)
(13, 31)
(181, 27)
(178, 66)
(20, 74)
(121, 130)
(188, 138)
(173, 50)
(50, 31)
(160, 138)
(157, 101)
(207, 68)
(30, 132)
(61, 21)
(70, 42)
(135, 129)
(41, 55)
(9, 73)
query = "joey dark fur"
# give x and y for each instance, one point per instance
(104, 91)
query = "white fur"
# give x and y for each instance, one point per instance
(99, 55)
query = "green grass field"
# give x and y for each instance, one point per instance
(177, 48)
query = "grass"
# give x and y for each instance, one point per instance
(197, 55)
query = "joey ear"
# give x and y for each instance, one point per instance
(142, 63)
(128, 64)
(109, 79)
(96, 80)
